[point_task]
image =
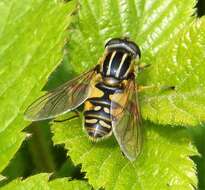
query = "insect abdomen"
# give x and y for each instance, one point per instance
(97, 118)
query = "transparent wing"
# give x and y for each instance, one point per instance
(61, 100)
(126, 120)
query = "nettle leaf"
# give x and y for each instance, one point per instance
(198, 135)
(32, 36)
(163, 164)
(40, 181)
(150, 23)
(156, 26)
(171, 40)
(184, 69)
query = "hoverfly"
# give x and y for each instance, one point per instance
(109, 94)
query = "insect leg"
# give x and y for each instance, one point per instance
(77, 114)
(143, 66)
(141, 88)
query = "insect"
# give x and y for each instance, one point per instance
(109, 94)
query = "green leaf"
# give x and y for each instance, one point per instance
(20, 164)
(163, 164)
(198, 136)
(32, 36)
(68, 170)
(171, 40)
(2, 178)
(150, 23)
(181, 64)
(156, 26)
(40, 181)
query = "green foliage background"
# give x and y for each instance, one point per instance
(57, 39)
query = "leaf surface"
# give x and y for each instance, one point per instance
(163, 164)
(158, 27)
(32, 35)
(171, 40)
(180, 64)
(41, 182)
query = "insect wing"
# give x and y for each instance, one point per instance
(61, 100)
(126, 121)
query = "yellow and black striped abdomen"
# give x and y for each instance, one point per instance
(97, 113)
(97, 119)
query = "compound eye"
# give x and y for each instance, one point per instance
(137, 49)
(125, 44)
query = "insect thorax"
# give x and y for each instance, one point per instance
(116, 65)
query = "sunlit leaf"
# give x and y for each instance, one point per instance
(163, 164)
(41, 182)
(171, 40)
(32, 35)
(179, 64)
(157, 27)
